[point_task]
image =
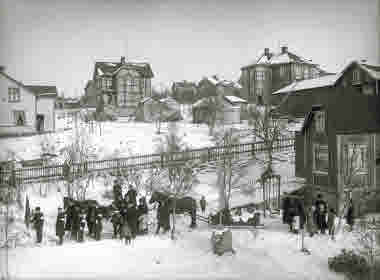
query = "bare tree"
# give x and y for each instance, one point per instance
(182, 175)
(76, 155)
(265, 128)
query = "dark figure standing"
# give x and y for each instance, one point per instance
(75, 223)
(131, 195)
(203, 204)
(82, 226)
(142, 216)
(286, 205)
(321, 208)
(60, 225)
(116, 221)
(38, 223)
(125, 232)
(331, 223)
(98, 226)
(350, 215)
(163, 217)
(132, 218)
(117, 192)
(69, 216)
(92, 221)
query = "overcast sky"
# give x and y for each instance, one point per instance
(57, 42)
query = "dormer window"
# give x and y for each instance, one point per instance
(320, 121)
(356, 76)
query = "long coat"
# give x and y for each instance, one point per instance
(350, 215)
(163, 215)
(60, 225)
(38, 221)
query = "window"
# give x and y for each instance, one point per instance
(355, 158)
(123, 92)
(321, 158)
(133, 84)
(260, 75)
(319, 122)
(356, 76)
(19, 118)
(107, 83)
(14, 95)
(298, 73)
(282, 70)
(306, 73)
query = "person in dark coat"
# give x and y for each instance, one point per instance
(132, 218)
(301, 213)
(163, 215)
(60, 225)
(321, 209)
(202, 202)
(69, 216)
(82, 226)
(125, 232)
(38, 223)
(286, 204)
(142, 216)
(331, 223)
(116, 221)
(350, 215)
(98, 226)
(132, 195)
(75, 223)
(117, 192)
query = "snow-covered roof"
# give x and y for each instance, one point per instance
(235, 99)
(324, 81)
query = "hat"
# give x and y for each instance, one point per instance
(59, 208)
(38, 208)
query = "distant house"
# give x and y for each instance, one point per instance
(25, 109)
(46, 96)
(150, 110)
(231, 109)
(340, 135)
(122, 84)
(216, 85)
(184, 92)
(272, 71)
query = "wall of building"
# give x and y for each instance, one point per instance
(45, 106)
(26, 104)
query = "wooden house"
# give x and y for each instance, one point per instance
(339, 143)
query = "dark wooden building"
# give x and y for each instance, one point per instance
(339, 143)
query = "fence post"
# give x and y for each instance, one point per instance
(162, 160)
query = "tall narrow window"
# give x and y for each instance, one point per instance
(356, 76)
(19, 118)
(319, 122)
(306, 73)
(298, 72)
(321, 158)
(282, 71)
(123, 92)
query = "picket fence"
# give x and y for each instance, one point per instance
(56, 172)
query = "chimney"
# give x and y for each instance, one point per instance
(284, 49)
(122, 60)
(266, 52)
(2, 68)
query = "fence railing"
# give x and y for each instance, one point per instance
(56, 172)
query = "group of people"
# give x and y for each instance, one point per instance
(317, 218)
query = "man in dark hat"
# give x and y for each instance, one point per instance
(38, 223)
(60, 225)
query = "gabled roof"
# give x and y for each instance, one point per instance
(44, 91)
(111, 68)
(15, 81)
(280, 58)
(329, 79)
(217, 80)
(324, 81)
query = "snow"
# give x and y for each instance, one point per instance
(280, 58)
(233, 98)
(100, 72)
(324, 81)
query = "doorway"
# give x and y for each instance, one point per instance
(40, 123)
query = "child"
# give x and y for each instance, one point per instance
(331, 223)
(126, 233)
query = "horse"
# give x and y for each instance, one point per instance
(186, 204)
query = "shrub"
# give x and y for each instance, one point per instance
(349, 263)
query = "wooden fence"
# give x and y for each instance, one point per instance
(56, 172)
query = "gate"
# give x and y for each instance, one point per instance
(271, 186)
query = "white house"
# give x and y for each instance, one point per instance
(23, 107)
